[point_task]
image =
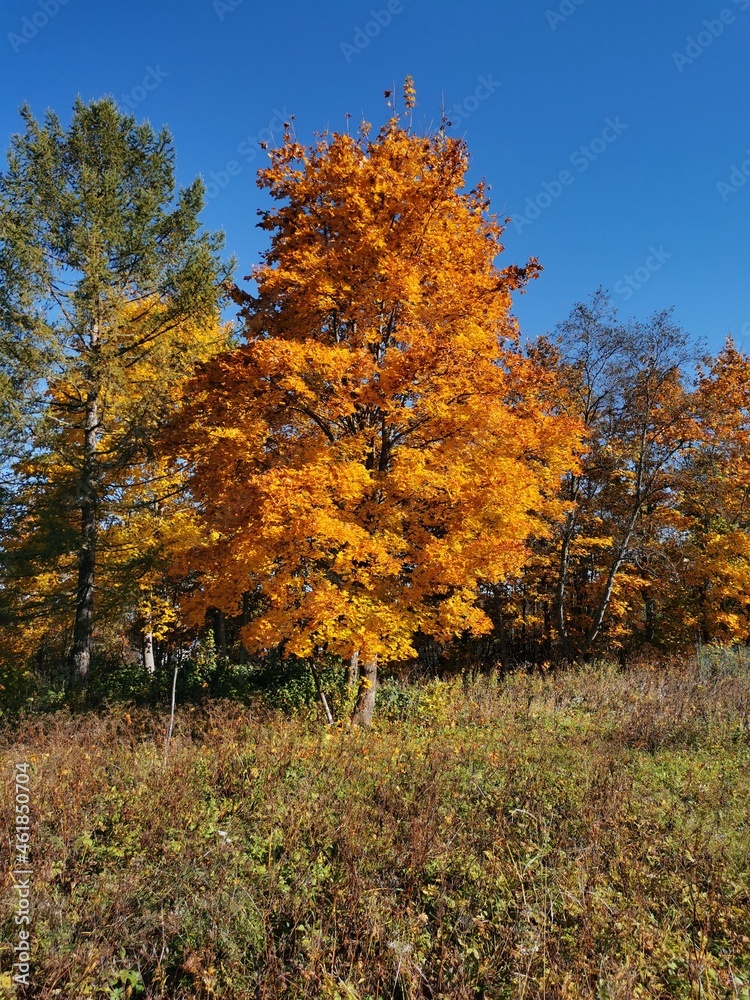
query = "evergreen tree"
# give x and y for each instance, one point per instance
(104, 268)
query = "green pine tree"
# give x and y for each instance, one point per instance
(92, 234)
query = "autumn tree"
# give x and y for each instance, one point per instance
(378, 448)
(625, 381)
(146, 515)
(106, 276)
(715, 502)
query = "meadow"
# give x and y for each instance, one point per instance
(539, 835)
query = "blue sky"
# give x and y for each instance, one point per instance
(616, 136)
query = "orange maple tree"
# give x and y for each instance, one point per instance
(379, 448)
(715, 504)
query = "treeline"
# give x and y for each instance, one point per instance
(369, 467)
(652, 551)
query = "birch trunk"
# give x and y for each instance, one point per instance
(596, 626)
(353, 672)
(322, 696)
(148, 652)
(365, 706)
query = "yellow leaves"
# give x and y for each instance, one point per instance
(159, 615)
(144, 359)
(410, 94)
(585, 543)
(374, 452)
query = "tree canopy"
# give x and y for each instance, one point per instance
(379, 448)
(373, 463)
(110, 292)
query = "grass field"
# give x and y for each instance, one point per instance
(584, 834)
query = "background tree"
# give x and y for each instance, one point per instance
(146, 515)
(104, 272)
(625, 382)
(714, 601)
(379, 448)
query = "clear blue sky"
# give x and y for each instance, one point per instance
(598, 118)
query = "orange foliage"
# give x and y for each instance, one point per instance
(378, 448)
(716, 502)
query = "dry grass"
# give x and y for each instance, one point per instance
(580, 835)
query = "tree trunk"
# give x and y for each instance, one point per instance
(83, 628)
(245, 621)
(365, 706)
(499, 623)
(703, 605)
(148, 652)
(650, 623)
(558, 612)
(352, 674)
(220, 633)
(596, 626)
(322, 695)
